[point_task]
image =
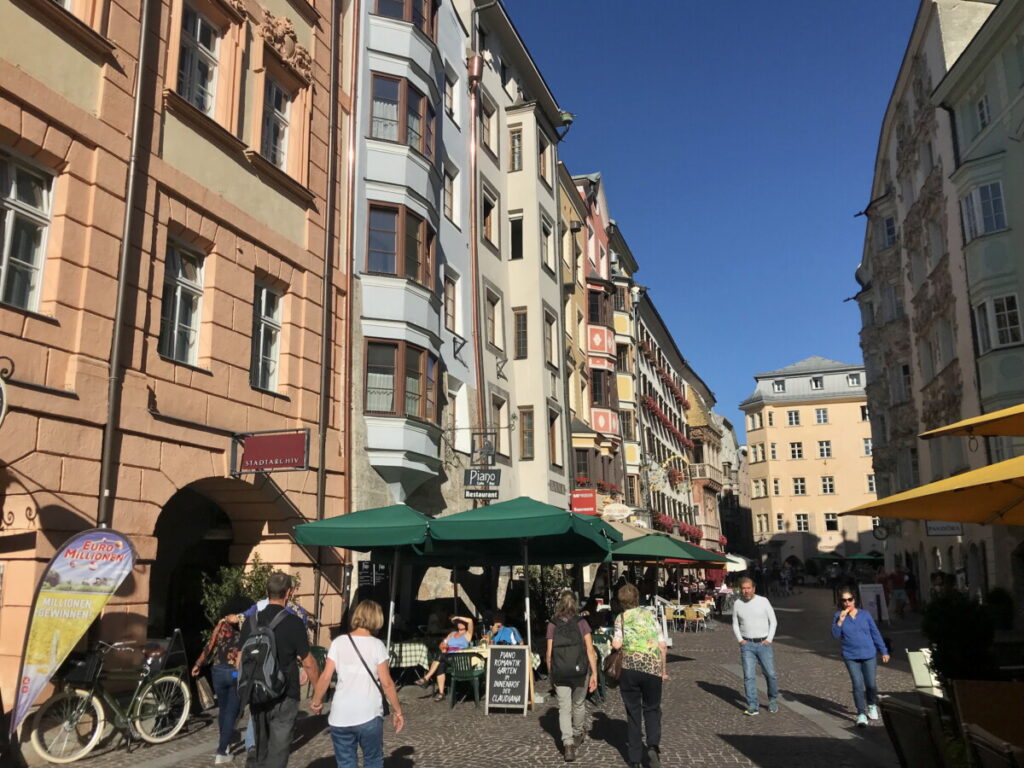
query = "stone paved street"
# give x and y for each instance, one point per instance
(703, 723)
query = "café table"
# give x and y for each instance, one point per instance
(409, 655)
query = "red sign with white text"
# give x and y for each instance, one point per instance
(584, 501)
(267, 453)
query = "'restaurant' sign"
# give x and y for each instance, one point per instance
(584, 501)
(272, 451)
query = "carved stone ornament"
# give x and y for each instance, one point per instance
(238, 6)
(279, 33)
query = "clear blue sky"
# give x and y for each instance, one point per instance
(737, 141)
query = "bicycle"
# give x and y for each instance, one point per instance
(68, 726)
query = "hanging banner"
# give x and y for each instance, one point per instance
(75, 587)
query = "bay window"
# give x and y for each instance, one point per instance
(400, 242)
(982, 211)
(401, 380)
(997, 323)
(419, 13)
(402, 114)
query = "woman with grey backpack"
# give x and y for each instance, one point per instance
(572, 666)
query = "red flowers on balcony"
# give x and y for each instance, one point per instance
(582, 481)
(602, 486)
(675, 478)
(692, 532)
(664, 523)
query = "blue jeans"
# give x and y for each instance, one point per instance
(224, 679)
(368, 736)
(865, 689)
(752, 654)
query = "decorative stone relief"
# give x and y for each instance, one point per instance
(942, 396)
(279, 33)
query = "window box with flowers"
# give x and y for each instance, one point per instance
(613, 488)
(723, 542)
(602, 486)
(582, 481)
(665, 523)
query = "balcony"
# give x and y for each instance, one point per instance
(706, 472)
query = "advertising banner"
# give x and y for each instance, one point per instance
(75, 587)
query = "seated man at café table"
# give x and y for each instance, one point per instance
(459, 639)
(502, 634)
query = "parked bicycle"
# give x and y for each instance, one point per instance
(68, 726)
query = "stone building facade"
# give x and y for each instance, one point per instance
(154, 311)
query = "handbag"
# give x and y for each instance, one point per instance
(612, 668)
(205, 694)
(383, 698)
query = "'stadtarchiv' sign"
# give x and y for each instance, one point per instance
(474, 493)
(482, 477)
(509, 675)
(272, 452)
(941, 528)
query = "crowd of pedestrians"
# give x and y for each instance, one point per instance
(260, 656)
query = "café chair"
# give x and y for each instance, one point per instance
(988, 751)
(462, 669)
(915, 733)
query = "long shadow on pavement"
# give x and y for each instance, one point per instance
(306, 728)
(728, 695)
(604, 728)
(816, 702)
(399, 758)
(788, 751)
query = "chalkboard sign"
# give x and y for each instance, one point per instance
(509, 678)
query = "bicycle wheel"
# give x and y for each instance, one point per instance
(68, 726)
(162, 709)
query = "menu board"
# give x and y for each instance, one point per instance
(509, 678)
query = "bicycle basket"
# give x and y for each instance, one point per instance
(80, 668)
(164, 653)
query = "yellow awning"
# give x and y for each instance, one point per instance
(992, 494)
(1008, 422)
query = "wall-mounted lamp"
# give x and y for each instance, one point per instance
(576, 226)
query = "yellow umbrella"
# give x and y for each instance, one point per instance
(992, 494)
(1005, 422)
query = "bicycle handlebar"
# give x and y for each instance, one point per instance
(120, 645)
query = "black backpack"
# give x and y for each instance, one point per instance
(569, 663)
(260, 677)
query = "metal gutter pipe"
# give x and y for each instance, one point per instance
(327, 295)
(114, 378)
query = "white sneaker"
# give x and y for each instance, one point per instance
(872, 712)
(220, 759)
(862, 721)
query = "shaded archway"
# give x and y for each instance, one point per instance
(194, 536)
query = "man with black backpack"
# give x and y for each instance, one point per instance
(572, 665)
(268, 677)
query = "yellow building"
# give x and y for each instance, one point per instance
(809, 444)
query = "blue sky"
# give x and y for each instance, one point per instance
(737, 142)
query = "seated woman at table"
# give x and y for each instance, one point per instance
(459, 639)
(502, 634)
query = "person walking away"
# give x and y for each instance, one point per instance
(861, 643)
(268, 675)
(356, 718)
(754, 624)
(898, 591)
(644, 660)
(221, 653)
(572, 664)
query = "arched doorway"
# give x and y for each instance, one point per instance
(194, 536)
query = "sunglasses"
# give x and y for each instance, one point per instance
(848, 600)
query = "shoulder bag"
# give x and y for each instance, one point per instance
(612, 664)
(383, 698)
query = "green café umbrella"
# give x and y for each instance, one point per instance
(554, 533)
(394, 526)
(660, 546)
(872, 555)
(391, 527)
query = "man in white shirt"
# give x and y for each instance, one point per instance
(754, 624)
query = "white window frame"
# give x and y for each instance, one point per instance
(817, 382)
(853, 379)
(275, 152)
(12, 210)
(824, 449)
(997, 323)
(191, 52)
(793, 418)
(776, 486)
(831, 519)
(868, 446)
(796, 451)
(821, 415)
(799, 486)
(871, 484)
(803, 523)
(982, 113)
(888, 232)
(779, 385)
(266, 325)
(983, 210)
(773, 451)
(176, 286)
(780, 522)
(828, 485)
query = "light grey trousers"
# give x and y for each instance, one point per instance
(572, 710)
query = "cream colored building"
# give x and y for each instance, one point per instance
(809, 451)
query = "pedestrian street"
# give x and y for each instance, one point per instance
(703, 721)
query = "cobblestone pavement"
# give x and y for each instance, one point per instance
(703, 722)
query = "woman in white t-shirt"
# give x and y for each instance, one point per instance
(356, 717)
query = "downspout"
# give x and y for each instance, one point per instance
(114, 379)
(568, 455)
(350, 181)
(327, 298)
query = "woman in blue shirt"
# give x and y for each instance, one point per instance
(861, 642)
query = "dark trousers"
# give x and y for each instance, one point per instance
(225, 686)
(274, 724)
(641, 696)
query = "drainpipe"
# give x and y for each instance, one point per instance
(114, 380)
(327, 298)
(568, 457)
